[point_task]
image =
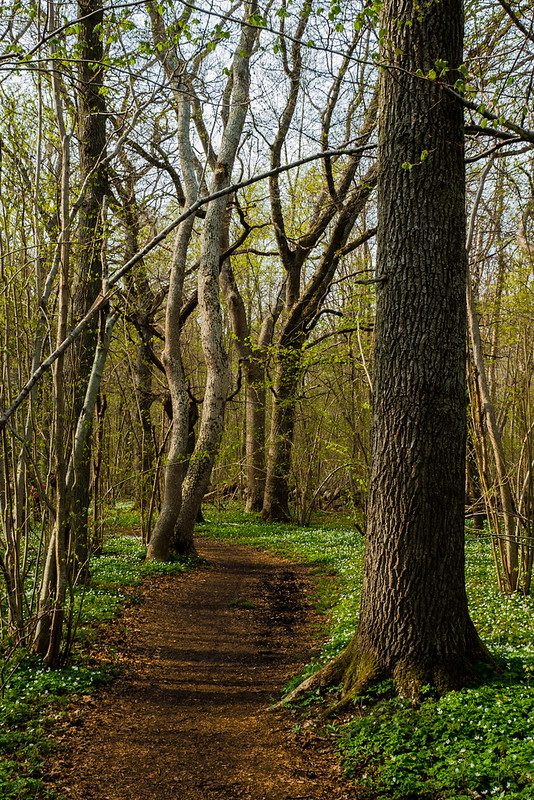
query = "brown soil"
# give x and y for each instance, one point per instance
(205, 654)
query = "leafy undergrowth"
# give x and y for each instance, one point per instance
(467, 745)
(478, 742)
(34, 698)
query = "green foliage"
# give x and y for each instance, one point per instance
(122, 516)
(474, 743)
(477, 742)
(33, 705)
(34, 697)
(122, 563)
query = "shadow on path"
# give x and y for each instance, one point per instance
(207, 652)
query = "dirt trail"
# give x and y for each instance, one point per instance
(206, 654)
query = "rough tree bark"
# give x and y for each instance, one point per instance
(92, 150)
(414, 624)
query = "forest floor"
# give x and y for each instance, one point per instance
(204, 655)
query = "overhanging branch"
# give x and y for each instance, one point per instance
(104, 298)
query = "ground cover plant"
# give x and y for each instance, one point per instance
(474, 743)
(33, 698)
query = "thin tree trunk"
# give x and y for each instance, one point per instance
(144, 303)
(510, 547)
(48, 634)
(92, 151)
(252, 356)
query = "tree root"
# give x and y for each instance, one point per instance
(359, 669)
(331, 674)
(355, 672)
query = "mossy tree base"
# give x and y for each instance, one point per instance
(414, 624)
(357, 669)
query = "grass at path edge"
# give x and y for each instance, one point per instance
(472, 744)
(478, 743)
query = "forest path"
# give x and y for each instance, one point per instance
(206, 653)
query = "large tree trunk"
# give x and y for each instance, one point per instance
(414, 622)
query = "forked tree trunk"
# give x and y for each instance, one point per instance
(256, 404)
(297, 327)
(414, 622)
(286, 388)
(211, 321)
(161, 539)
(160, 542)
(251, 358)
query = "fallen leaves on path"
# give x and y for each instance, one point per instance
(204, 656)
